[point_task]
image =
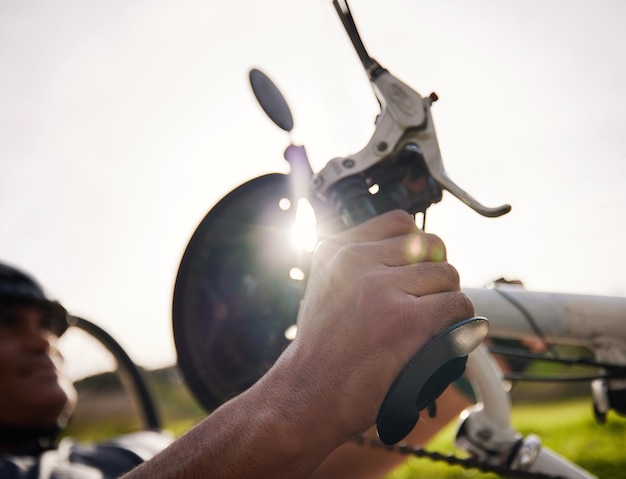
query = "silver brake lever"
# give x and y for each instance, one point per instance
(426, 139)
(405, 118)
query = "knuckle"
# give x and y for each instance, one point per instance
(328, 248)
(349, 253)
(436, 247)
(400, 217)
(348, 261)
(462, 307)
(397, 222)
(450, 275)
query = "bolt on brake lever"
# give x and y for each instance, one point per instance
(405, 124)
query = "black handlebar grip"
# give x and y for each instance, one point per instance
(427, 374)
(352, 201)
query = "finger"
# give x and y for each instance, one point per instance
(428, 315)
(393, 223)
(402, 250)
(393, 252)
(426, 278)
(417, 280)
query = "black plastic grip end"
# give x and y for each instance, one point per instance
(429, 372)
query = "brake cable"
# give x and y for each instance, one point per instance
(530, 320)
(613, 371)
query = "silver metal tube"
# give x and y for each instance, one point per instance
(564, 318)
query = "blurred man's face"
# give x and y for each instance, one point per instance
(33, 391)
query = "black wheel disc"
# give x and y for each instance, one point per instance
(235, 296)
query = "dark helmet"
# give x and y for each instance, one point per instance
(17, 287)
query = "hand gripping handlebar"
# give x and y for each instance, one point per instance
(402, 163)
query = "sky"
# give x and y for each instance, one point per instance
(123, 122)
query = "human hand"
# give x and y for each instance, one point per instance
(377, 293)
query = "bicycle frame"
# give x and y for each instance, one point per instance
(485, 430)
(596, 322)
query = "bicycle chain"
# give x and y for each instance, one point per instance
(467, 463)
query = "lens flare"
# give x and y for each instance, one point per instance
(297, 274)
(303, 232)
(291, 331)
(415, 248)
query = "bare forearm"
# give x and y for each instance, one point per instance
(256, 434)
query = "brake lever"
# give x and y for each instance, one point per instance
(425, 138)
(405, 119)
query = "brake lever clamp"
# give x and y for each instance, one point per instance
(402, 109)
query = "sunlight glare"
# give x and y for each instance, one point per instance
(284, 204)
(290, 332)
(296, 274)
(303, 232)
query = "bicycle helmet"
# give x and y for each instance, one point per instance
(19, 288)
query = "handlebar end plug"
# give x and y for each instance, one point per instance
(429, 372)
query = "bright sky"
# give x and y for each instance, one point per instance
(123, 122)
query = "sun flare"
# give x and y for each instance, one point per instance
(304, 231)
